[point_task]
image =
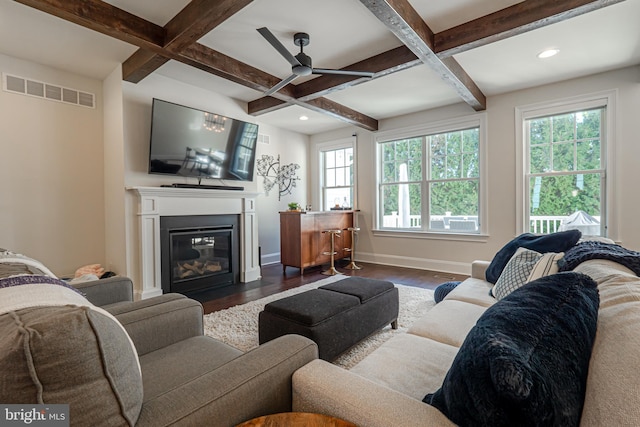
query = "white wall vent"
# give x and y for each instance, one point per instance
(43, 90)
(263, 139)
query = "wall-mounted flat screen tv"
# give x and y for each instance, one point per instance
(193, 143)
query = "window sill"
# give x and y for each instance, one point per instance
(430, 235)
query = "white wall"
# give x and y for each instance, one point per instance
(51, 170)
(137, 99)
(454, 255)
(114, 193)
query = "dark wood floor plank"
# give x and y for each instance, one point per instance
(274, 281)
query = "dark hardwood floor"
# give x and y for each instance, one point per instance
(274, 281)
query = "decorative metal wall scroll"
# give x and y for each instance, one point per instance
(284, 176)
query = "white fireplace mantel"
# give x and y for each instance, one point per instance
(155, 202)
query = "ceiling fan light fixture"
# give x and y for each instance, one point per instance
(548, 53)
(301, 63)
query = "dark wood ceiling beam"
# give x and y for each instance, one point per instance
(104, 18)
(194, 21)
(403, 20)
(391, 61)
(140, 64)
(394, 60)
(268, 104)
(264, 105)
(340, 112)
(514, 20)
(197, 19)
(219, 64)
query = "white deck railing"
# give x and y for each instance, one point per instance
(537, 225)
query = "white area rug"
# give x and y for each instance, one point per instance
(238, 326)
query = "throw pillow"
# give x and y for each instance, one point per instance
(555, 242)
(524, 266)
(515, 273)
(443, 290)
(526, 360)
(59, 348)
(546, 266)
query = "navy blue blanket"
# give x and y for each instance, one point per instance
(598, 250)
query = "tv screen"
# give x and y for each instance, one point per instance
(194, 143)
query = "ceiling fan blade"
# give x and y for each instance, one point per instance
(343, 72)
(268, 35)
(280, 85)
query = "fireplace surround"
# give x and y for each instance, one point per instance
(154, 203)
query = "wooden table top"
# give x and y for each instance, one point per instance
(296, 419)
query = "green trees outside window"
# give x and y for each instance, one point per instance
(566, 168)
(426, 181)
(337, 182)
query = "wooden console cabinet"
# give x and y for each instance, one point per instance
(302, 243)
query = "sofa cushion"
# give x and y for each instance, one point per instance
(448, 322)
(526, 361)
(56, 347)
(555, 242)
(473, 291)
(406, 363)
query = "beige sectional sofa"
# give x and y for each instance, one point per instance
(386, 388)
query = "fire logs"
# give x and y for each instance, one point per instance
(195, 268)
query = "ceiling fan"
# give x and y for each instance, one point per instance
(301, 63)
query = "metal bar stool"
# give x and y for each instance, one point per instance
(352, 250)
(332, 270)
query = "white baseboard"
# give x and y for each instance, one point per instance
(419, 263)
(397, 261)
(267, 259)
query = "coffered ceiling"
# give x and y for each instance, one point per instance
(424, 54)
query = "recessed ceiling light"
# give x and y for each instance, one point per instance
(548, 53)
(304, 118)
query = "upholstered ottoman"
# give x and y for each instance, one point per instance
(335, 316)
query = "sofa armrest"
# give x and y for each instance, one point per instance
(479, 269)
(328, 389)
(107, 291)
(254, 384)
(160, 321)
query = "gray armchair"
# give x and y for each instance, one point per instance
(187, 379)
(108, 292)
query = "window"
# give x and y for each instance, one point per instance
(337, 178)
(431, 182)
(565, 171)
(567, 157)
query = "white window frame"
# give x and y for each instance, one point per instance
(606, 99)
(478, 120)
(317, 169)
